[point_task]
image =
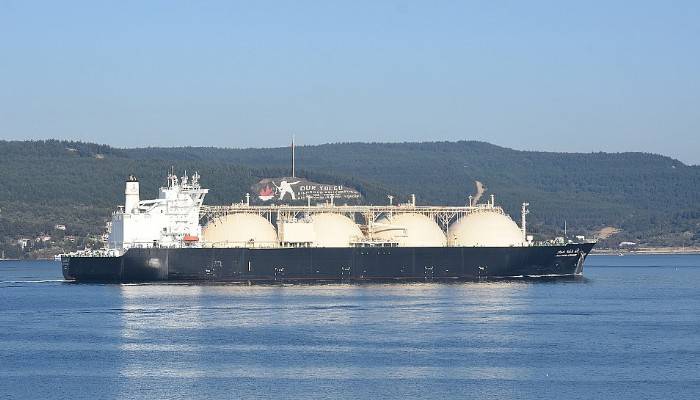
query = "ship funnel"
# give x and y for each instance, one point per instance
(131, 194)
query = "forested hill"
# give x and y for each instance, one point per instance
(650, 198)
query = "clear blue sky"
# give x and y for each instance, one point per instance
(562, 76)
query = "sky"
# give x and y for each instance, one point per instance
(575, 76)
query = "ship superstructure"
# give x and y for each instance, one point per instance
(171, 220)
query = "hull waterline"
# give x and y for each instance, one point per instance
(354, 264)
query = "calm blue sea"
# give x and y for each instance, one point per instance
(630, 330)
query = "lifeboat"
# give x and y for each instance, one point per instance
(190, 238)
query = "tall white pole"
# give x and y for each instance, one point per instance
(293, 160)
(523, 223)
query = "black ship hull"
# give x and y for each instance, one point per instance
(355, 264)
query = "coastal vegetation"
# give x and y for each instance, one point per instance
(646, 199)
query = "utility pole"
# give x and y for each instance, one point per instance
(293, 160)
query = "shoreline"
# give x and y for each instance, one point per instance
(649, 251)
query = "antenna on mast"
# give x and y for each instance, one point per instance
(293, 160)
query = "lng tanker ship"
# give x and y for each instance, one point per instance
(177, 238)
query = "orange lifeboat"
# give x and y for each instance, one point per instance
(190, 238)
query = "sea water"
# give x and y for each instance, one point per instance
(629, 330)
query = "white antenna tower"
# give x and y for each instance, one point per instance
(523, 223)
(293, 160)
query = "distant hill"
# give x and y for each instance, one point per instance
(650, 198)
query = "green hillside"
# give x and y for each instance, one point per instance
(652, 199)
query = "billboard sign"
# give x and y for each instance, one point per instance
(290, 189)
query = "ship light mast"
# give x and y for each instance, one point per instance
(523, 222)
